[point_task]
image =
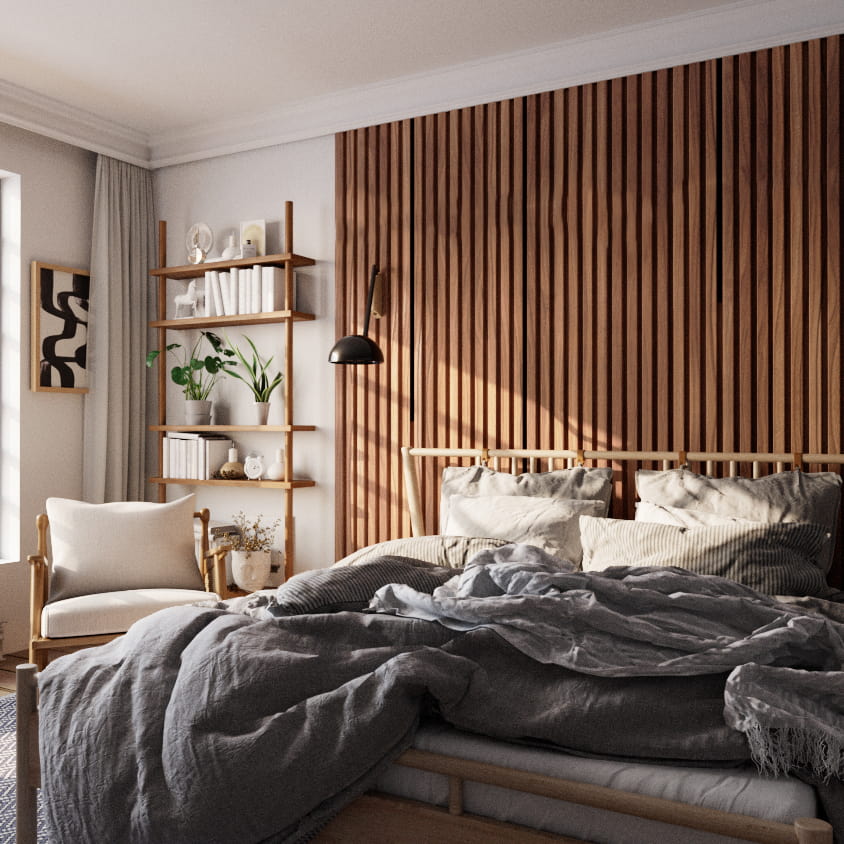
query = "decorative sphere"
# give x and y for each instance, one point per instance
(232, 471)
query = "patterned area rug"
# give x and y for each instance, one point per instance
(7, 775)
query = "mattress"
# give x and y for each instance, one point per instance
(737, 789)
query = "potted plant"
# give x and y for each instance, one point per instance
(255, 377)
(251, 545)
(197, 375)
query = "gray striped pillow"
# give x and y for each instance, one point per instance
(446, 551)
(777, 559)
(352, 587)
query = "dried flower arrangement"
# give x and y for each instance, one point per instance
(253, 536)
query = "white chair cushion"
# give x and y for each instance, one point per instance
(121, 545)
(112, 612)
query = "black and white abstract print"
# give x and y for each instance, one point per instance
(63, 328)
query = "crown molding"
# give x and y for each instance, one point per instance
(726, 30)
(37, 113)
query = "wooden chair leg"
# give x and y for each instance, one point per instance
(39, 656)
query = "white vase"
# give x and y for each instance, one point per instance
(275, 471)
(197, 412)
(251, 569)
(262, 412)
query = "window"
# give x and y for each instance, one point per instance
(11, 348)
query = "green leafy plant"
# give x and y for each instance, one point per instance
(197, 375)
(255, 375)
(251, 536)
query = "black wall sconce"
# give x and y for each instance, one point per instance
(360, 348)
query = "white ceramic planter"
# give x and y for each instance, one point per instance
(197, 412)
(262, 412)
(251, 569)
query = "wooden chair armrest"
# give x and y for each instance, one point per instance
(38, 580)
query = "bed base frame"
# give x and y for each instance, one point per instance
(376, 817)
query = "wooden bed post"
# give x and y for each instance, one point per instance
(414, 501)
(28, 764)
(812, 831)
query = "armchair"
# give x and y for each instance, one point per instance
(101, 567)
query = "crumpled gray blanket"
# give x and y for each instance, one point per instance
(201, 725)
(204, 726)
(628, 622)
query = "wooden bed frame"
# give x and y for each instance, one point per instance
(378, 817)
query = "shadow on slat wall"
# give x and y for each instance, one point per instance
(652, 262)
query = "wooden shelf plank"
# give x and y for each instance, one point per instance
(201, 429)
(199, 270)
(269, 318)
(298, 483)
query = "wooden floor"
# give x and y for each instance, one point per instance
(7, 672)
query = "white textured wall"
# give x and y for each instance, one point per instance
(254, 185)
(56, 191)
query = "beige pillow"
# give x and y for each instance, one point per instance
(548, 523)
(448, 551)
(121, 545)
(782, 497)
(473, 481)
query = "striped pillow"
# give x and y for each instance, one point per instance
(352, 587)
(447, 551)
(777, 558)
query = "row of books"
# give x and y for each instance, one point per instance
(246, 290)
(193, 455)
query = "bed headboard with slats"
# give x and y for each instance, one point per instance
(624, 463)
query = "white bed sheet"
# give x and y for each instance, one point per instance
(739, 790)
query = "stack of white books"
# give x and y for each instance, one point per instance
(244, 290)
(194, 456)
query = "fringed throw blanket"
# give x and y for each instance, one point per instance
(792, 719)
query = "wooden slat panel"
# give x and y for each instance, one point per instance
(777, 224)
(670, 242)
(468, 267)
(759, 240)
(372, 223)
(831, 215)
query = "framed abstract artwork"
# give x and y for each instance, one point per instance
(59, 328)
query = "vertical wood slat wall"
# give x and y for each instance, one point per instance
(652, 262)
(372, 403)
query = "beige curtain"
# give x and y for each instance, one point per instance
(122, 253)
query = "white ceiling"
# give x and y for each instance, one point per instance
(187, 73)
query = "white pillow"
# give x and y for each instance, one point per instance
(549, 523)
(121, 545)
(775, 558)
(581, 482)
(793, 496)
(647, 511)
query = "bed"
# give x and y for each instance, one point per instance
(418, 650)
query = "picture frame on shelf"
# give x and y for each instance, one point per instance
(256, 231)
(59, 305)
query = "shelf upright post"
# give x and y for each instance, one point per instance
(289, 281)
(162, 344)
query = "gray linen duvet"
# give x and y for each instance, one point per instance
(202, 725)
